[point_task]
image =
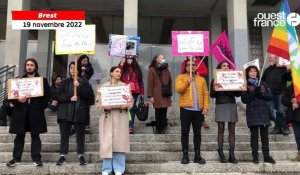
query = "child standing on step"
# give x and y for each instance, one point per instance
(257, 113)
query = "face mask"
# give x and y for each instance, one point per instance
(163, 61)
(129, 61)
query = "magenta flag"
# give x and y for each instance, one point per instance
(222, 51)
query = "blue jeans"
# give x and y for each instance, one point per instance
(116, 164)
(280, 122)
(296, 127)
(133, 110)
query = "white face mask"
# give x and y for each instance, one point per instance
(129, 61)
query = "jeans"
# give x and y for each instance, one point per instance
(296, 127)
(187, 118)
(280, 122)
(160, 119)
(116, 163)
(65, 129)
(264, 135)
(36, 147)
(133, 110)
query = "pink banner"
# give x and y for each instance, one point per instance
(222, 51)
(190, 43)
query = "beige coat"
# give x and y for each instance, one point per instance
(113, 130)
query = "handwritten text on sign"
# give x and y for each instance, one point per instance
(76, 41)
(32, 87)
(115, 95)
(190, 43)
(230, 80)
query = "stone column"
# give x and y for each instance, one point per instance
(44, 51)
(131, 17)
(16, 40)
(238, 31)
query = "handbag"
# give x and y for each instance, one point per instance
(165, 89)
(142, 110)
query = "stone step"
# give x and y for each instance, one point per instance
(151, 156)
(174, 168)
(155, 146)
(148, 138)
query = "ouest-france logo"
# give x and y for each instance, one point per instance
(276, 19)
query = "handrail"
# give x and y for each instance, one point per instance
(6, 72)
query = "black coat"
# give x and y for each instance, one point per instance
(223, 96)
(276, 78)
(74, 111)
(257, 108)
(30, 116)
(291, 115)
(88, 72)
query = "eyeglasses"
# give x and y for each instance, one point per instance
(189, 65)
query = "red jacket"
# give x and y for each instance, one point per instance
(202, 69)
(130, 77)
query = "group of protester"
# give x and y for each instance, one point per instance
(73, 96)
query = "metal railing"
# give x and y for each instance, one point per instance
(6, 72)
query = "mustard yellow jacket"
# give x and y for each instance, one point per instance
(182, 87)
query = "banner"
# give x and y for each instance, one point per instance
(33, 87)
(190, 43)
(222, 51)
(76, 41)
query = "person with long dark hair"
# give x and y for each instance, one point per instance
(226, 111)
(257, 113)
(28, 116)
(113, 130)
(159, 76)
(132, 74)
(72, 110)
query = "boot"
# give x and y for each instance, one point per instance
(232, 158)
(222, 156)
(185, 159)
(198, 158)
(297, 159)
(269, 159)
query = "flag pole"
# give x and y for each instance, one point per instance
(262, 69)
(200, 62)
(191, 76)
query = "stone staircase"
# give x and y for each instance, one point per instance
(153, 154)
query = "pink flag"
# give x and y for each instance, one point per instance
(222, 51)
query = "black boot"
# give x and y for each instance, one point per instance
(198, 158)
(232, 158)
(222, 156)
(185, 159)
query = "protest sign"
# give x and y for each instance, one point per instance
(252, 63)
(23, 87)
(230, 80)
(114, 96)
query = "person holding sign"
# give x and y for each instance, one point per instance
(276, 78)
(28, 116)
(159, 91)
(293, 114)
(113, 129)
(257, 97)
(201, 68)
(226, 111)
(74, 98)
(192, 109)
(132, 75)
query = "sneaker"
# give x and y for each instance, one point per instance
(12, 163)
(61, 161)
(276, 131)
(118, 173)
(38, 163)
(269, 159)
(82, 160)
(286, 131)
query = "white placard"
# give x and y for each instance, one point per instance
(115, 95)
(283, 62)
(23, 87)
(252, 63)
(76, 40)
(190, 43)
(230, 80)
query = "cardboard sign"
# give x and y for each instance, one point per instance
(132, 45)
(33, 87)
(121, 45)
(230, 80)
(114, 96)
(252, 63)
(76, 41)
(190, 43)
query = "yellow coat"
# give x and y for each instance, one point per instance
(182, 87)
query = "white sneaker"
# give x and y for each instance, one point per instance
(105, 173)
(118, 173)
